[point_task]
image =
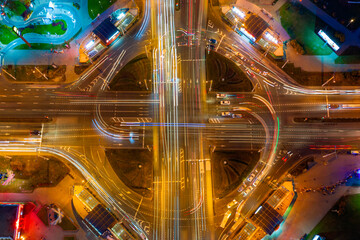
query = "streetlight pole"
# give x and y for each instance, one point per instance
(351, 20)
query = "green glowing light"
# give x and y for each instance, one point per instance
(277, 137)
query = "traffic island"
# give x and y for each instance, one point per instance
(223, 75)
(31, 172)
(134, 76)
(231, 169)
(134, 168)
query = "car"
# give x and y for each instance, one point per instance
(211, 47)
(251, 177)
(333, 106)
(232, 203)
(354, 152)
(225, 102)
(238, 115)
(76, 5)
(226, 114)
(35, 132)
(213, 41)
(220, 95)
(248, 72)
(177, 5)
(247, 191)
(241, 188)
(256, 182)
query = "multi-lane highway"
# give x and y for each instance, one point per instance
(180, 122)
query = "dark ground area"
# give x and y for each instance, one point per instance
(342, 11)
(342, 221)
(134, 167)
(318, 78)
(134, 76)
(300, 23)
(231, 169)
(28, 73)
(32, 172)
(305, 165)
(79, 69)
(225, 75)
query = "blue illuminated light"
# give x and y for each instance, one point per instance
(327, 39)
(120, 16)
(243, 30)
(270, 37)
(113, 35)
(316, 237)
(257, 210)
(90, 44)
(238, 12)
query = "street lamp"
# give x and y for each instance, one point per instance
(351, 20)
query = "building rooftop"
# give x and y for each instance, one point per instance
(267, 218)
(101, 219)
(8, 218)
(106, 31)
(255, 25)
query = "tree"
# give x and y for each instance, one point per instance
(296, 45)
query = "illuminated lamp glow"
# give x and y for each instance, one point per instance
(120, 16)
(243, 30)
(357, 171)
(327, 39)
(90, 44)
(316, 237)
(238, 12)
(257, 210)
(270, 37)
(113, 35)
(17, 223)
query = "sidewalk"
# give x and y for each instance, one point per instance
(273, 22)
(311, 63)
(311, 207)
(318, 63)
(60, 195)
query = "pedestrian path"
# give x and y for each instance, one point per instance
(311, 206)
